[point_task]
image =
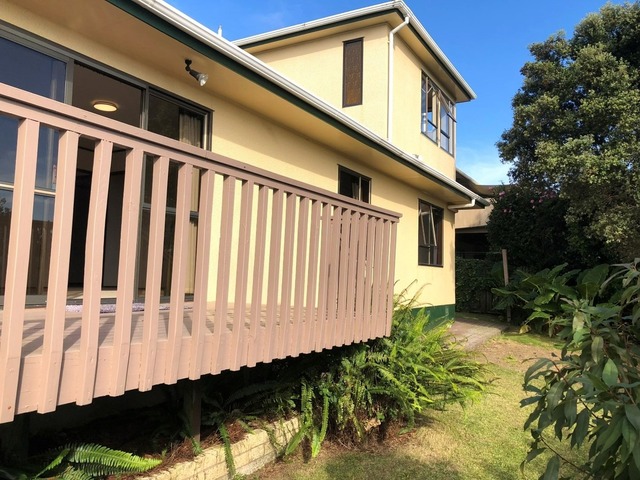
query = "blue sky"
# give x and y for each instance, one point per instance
(486, 40)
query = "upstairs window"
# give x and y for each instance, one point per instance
(354, 185)
(430, 219)
(352, 73)
(437, 115)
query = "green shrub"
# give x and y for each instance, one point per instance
(474, 279)
(354, 391)
(590, 394)
(396, 378)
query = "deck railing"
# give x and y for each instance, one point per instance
(276, 267)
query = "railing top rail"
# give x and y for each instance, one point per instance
(64, 116)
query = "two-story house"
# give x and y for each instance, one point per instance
(173, 205)
(380, 66)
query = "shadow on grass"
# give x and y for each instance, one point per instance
(387, 466)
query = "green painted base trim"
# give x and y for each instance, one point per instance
(438, 314)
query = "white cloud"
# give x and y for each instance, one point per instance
(482, 164)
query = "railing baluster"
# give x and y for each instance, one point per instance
(275, 244)
(220, 355)
(256, 333)
(343, 267)
(390, 280)
(323, 289)
(384, 279)
(330, 333)
(284, 340)
(16, 279)
(201, 285)
(368, 292)
(377, 279)
(240, 330)
(153, 282)
(310, 320)
(361, 282)
(351, 279)
(297, 330)
(52, 345)
(94, 253)
(179, 273)
(126, 270)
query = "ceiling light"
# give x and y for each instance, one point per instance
(105, 106)
(200, 77)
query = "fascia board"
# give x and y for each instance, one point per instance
(365, 12)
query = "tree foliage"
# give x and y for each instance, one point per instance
(576, 129)
(589, 395)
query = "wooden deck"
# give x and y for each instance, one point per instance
(259, 343)
(290, 268)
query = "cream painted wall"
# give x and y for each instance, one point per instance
(407, 111)
(285, 152)
(317, 66)
(250, 138)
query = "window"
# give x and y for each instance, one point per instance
(429, 234)
(53, 72)
(437, 115)
(175, 119)
(43, 74)
(354, 185)
(352, 73)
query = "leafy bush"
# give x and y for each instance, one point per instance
(590, 394)
(474, 278)
(350, 392)
(398, 377)
(536, 298)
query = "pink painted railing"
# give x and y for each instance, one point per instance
(281, 268)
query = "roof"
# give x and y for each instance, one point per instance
(399, 7)
(471, 184)
(285, 87)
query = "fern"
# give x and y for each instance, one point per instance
(228, 454)
(87, 461)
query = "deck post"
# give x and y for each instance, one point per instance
(193, 407)
(14, 440)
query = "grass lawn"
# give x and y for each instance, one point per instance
(483, 441)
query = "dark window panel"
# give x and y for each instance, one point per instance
(352, 73)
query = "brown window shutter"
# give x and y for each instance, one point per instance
(352, 73)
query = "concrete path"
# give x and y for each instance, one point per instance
(474, 332)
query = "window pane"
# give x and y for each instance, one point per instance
(164, 117)
(347, 184)
(353, 185)
(352, 71)
(6, 198)
(431, 122)
(30, 70)
(430, 246)
(8, 144)
(47, 167)
(365, 195)
(41, 233)
(90, 85)
(174, 120)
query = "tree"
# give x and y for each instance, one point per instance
(576, 131)
(589, 395)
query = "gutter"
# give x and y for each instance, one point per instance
(179, 20)
(392, 34)
(464, 206)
